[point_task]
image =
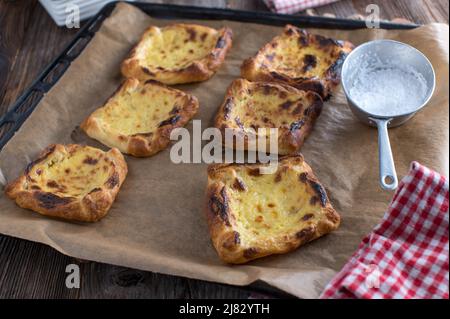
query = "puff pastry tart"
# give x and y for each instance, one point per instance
(72, 182)
(139, 117)
(300, 59)
(249, 106)
(252, 215)
(179, 53)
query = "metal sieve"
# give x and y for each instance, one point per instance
(392, 53)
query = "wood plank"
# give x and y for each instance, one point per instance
(29, 40)
(32, 270)
(108, 281)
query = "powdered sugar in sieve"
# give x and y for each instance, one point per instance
(384, 88)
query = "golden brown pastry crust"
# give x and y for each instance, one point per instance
(236, 244)
(197, 70)
(145, 143)
(88, 207)
(330, 56)
(293, 112)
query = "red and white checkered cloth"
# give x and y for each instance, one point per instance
(406, 256)
(294, 6)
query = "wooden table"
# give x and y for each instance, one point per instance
(29, 40)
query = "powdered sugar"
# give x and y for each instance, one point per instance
(386, 89)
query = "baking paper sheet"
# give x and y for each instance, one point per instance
(157, 222)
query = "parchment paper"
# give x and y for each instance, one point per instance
(157, 222)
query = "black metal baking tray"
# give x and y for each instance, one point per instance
(17, 113)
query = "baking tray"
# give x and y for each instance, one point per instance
(27, 102)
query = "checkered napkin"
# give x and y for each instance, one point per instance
(406, 256)
(294, 6)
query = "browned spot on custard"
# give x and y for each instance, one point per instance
(286, 105)
(219, 206)
(231, 241)
(35, 187)
(151, 81)
(313, 200)
(220, 43)
(278, 177)
(113, 180)
(305, 234)
(278, 76)
(259, 219)
(259, 208)
(30, 179)
(266, 89)
(298, 109)
(237, 239)
(203, 36)
(49, 200)
(309, 62)
(326, 42)
(303, 177)
(174, 110)
(316, 107)
(271, 205)
(307, 217)
(30, 165)
(239, 184)
(332, 216)
(192, 34)
(52, 184)
(94, 190)
(227, 108)
(191, 51)
(171, 121)
(147, 71)
(38, 171)
(274, 45)
(90, 161)
(335, 69)
(290, 31)
(250, 253)
(253, 172)
(238, 122)
(270, 57)
(282, 95)
(303, 40)
(296, 125)
(320, 192)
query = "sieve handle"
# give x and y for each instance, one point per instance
(388, 175)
